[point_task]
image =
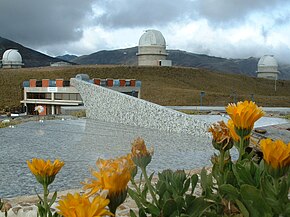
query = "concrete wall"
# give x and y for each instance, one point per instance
(150, 55)
(111, 106)
(268, 75)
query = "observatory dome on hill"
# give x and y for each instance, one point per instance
(152, 49)
(268, 67)
(12, 59)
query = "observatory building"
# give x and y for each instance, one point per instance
(11, 59)
(152, 49)
(268, 67)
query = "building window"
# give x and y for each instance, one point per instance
(68, 96)
(39, 96)
(79, 98)
(57, 96)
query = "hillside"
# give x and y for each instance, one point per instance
(127, 56)
(184, 59)
(31, 58)
(161, 85)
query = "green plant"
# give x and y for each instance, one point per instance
(45, 172)
(173, 193)
(79, 114)
(247, 187)
(287, 116)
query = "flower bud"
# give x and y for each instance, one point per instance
(140, 155)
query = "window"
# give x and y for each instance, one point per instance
(68, 96)
(38, 95)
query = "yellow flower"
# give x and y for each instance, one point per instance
(113, 175)
(44, 171)
(233, 133)
(244, 115)
(140, 155)
(80, 206)
(222, 139)
(276, 153)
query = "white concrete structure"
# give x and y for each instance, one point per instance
(268, 67)
(12, 59)
(54, 95)
(111, 106)
(60, 64)
(152, 49)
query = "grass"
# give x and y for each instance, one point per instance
(79, 114)
(161, 85)
(11, 122)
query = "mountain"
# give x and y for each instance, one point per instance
(127, 56)
(67, 57)
(120, 57)
(31, 58)
(184, 59)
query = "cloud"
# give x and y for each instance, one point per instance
(137, 13)
(225, 28)
(224, 12)
(36, 23)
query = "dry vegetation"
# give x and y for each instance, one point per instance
(162, 85)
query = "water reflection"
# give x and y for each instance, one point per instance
(80, 143)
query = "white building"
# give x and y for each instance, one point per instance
(268, 67)
(56, 95)
(152, 49)
(60, 64)
(12, 59)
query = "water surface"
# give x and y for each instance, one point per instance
(79, 143)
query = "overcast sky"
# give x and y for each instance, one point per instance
(224, 28)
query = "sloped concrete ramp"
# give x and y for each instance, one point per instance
(112, 106)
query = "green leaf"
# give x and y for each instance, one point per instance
(137, 198)
(230, 191)
(284, 189)
(180, 202)
(189, 200)
(169, 207)
(152, 209)
(198, 207)
(206, 183)
(161, 189)
(151, 176)
(53, 199)
(247, 172)
(132, 213)
(203, 178)
(145, 191)
(185, 187)
(41, 200)
(242, 208)
(194, 180)
(254, 201)
(142, 213)
(287, 210)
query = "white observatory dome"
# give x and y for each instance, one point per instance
(152, 37)
(11, 56)
(268, 61)
(152, 49)
(268, 67)
(11, 59)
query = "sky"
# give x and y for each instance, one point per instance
(222, 28)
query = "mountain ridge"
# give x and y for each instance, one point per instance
(30, 57)
(127, 56)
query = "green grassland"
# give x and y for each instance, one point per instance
(161, 85)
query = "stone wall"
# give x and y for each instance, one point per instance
(111, 106)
